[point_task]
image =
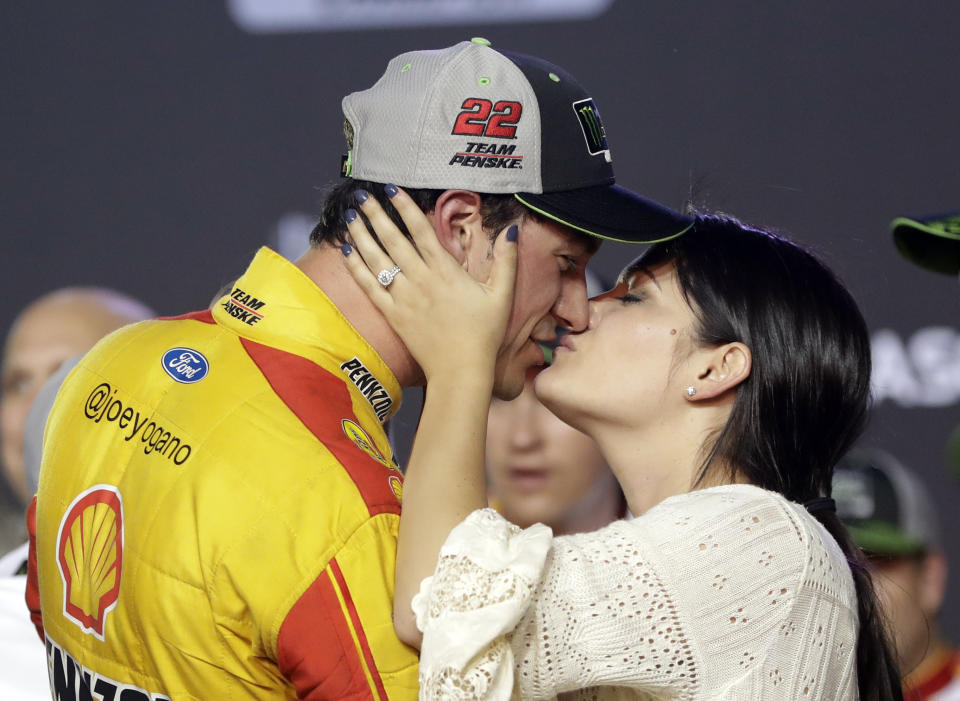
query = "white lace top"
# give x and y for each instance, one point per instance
(731, 592)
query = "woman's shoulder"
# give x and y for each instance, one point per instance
(726, 496)
(735, 522)
(737, 505)
(755, 527)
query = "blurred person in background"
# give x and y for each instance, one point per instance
(45, 340)
(542, 470)
(60, 325)
(891, 517)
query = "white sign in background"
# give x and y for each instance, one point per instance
(920, 371)
(273, 16)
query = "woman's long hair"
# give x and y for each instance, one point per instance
(807, 396)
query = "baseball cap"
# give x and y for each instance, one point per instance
(932, 242)
(474, 118)
(884, 505)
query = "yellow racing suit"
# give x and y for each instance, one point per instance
(218, 507)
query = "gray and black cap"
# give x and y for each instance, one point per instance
(470, 117)
(885, 506)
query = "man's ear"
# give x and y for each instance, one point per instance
(720, 369)
(458, 221)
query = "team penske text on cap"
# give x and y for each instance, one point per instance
(474, 118)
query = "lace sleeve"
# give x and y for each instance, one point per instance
(485, 577)
(511, 612)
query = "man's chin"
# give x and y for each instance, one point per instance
(510, 372)
(508, 381)
(508, 387)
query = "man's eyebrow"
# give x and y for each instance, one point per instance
(583, 245)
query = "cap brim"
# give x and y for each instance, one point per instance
(928, 243)
(879, 538)
(609, 212)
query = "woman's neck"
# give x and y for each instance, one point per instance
(655, 464)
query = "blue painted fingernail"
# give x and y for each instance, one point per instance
(361, 196)
(350, 215)
(512, 233)
(390, 189)
(346, 249)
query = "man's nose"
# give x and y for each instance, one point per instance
(571, 309)
(597, 307)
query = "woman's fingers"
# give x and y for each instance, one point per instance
(373, 255)
(504, 272)
(399, 248)
(367, 280)
(420, 228)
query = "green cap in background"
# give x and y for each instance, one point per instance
(932, 242)
(884, 505)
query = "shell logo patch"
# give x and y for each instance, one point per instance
(90, 557)
(396, 484)
(360, 438)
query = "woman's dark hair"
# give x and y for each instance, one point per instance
(496, 211)
(807, 396)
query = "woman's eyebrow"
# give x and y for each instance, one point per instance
(632, 270)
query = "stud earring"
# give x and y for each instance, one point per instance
(691, 390)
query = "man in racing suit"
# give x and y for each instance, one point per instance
(218, 503)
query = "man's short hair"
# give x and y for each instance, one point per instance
(496, 211)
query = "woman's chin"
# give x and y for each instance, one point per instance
(556, 396)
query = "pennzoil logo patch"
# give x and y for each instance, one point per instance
(396, 484)
(90, 557)
(369, 386)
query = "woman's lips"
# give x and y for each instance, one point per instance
(566, 343)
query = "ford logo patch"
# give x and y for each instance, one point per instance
(185, 365)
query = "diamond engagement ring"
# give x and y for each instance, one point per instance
(385, 277)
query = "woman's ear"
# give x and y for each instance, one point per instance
(721, 369)
(458, 222)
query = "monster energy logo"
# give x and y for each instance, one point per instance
(591, 125)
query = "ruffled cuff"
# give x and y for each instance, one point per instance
(486, 575)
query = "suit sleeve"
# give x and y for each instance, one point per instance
(337, 641)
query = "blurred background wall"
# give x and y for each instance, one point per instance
(152, 147)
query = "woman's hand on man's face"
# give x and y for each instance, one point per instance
(449, 321)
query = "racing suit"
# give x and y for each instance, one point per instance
(218, 507)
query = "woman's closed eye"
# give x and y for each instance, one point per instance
(632, 298)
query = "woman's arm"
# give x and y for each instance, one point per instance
(453, 325)
(443, 484)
